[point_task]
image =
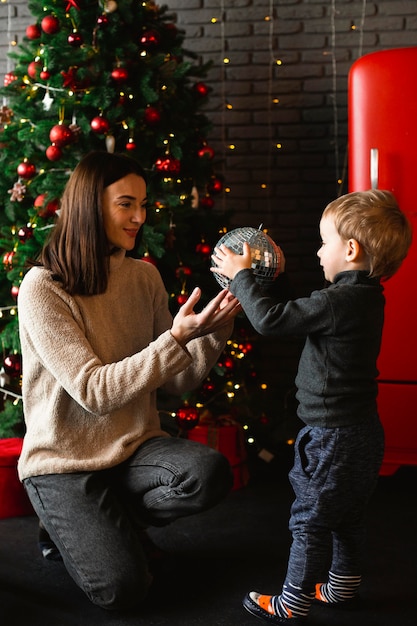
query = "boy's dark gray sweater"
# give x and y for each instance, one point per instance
(337, 372)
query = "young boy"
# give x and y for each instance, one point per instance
(338, 453)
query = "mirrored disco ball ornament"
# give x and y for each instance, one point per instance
(266, 258)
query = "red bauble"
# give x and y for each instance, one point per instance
(102, 20)
(149, 259)
(150, 38)
(206, 152)
(182, 271)
(187, 417)
(215, 185)
(44, 75)
(152, 115)
(130, 145)
(50, 24)
(33, 31)
(13, 365)
(26, 170)
(46, 209)
(203, 248)
(9, 78)
(34, 69)
(168, 165)
(100, 125)
(120, 74)
(201, 89)
(53, 153)
(25, 233)
(60, 135)
(206, 202)
(75, 39)
(14, 291)
(8, 259)
(182, 298)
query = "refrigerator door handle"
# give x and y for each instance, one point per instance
(374, 168)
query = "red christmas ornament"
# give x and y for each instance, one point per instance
(14, 291)
(206, 152)
(13, 365)
(206, 202)
(149, 259)
(44, 75)
(120, 74)
(33, 31)
(168, 165)
(102, 20)
(8, 259)
(215, 185)
(203, 248)
(9, 78)
(187, 417)
(152, 115)
(26, 170)
(130, 145)
(181, 298)
(60, 135)
(46, 209)
(34, 69)
(75, 39)
(150, 38)
(72, 3)
(53, 153)
(25, 233)
(201, 89)
(50, 24)
(100, 125)
(182, 271)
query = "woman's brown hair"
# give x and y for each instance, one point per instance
(77, 252)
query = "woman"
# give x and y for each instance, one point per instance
(97, 342)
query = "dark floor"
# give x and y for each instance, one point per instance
(214, 558)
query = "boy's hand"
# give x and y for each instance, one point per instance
(228, 263)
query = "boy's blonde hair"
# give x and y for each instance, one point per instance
(374, 219)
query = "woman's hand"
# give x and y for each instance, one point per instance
(228, 263)
(219, 311)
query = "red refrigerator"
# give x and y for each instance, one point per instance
(382, 149)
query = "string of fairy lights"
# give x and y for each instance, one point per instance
(226, 102)
(341, 170)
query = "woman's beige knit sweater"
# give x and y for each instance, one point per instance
(92, 365)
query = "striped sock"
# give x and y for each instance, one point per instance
(339, 588)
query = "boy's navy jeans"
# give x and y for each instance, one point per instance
(334, 475)
(95, 518)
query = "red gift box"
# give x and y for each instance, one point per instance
(13, 499)
(226, 436)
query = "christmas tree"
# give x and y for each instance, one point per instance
(114, 75)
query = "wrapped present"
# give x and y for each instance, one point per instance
(13, 499)
(225, 435)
